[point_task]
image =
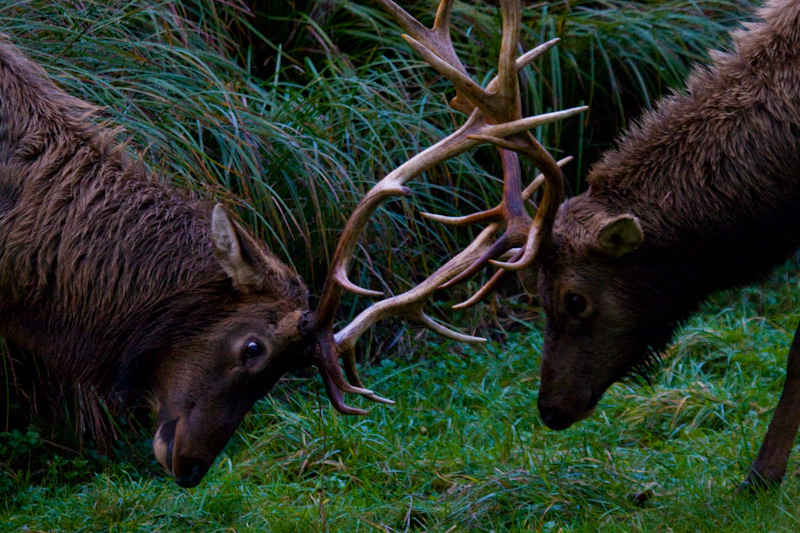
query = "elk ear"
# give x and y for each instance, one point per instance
(619, 235)
(233, 251)
(529, 279)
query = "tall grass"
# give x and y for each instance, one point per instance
(346, 100)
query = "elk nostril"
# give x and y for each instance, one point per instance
(553, 416)
(192, 479)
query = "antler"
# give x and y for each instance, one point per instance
(495, 117)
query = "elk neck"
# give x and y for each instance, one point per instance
(712, 172)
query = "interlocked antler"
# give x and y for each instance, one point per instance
(495, 117)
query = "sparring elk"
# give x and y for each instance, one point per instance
(125, 287)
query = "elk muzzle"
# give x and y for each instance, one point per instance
(564, 400)
(182, 457)
(560, 411)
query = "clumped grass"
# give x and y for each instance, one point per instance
(464, 449)
(344, 100)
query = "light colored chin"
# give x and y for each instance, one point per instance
(161, 451)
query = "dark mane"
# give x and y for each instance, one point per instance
(709, 165)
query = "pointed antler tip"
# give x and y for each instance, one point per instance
(513, 266)
(347, 410)
(341, 277)
(381, 399)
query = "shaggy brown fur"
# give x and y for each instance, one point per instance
(702, 195)
(124, 286)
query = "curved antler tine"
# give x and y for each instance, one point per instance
(495, 250)
(490, 215)
(351, 371)
(483, 292)
(444, 331)
(335, 396)
(327, 360)
(528, 57)
(518, 126)
(380, 399)
(344, 281)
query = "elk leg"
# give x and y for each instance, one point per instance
(770, 466)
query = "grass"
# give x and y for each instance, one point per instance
(464, 449)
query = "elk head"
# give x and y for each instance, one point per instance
(612, 303)
(595, 330)
(245, 338)
(191, 434)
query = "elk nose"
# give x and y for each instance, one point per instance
(554, 414)
(191, 478)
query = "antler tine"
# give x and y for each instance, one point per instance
(505, 103)
(438, 41)
(490, 215)
(352, 374)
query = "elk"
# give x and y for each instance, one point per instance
(701, 195)
(122, 285)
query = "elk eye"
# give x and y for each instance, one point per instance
(253, 349)
(575, 304)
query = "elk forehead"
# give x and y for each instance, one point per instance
(286, 331)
